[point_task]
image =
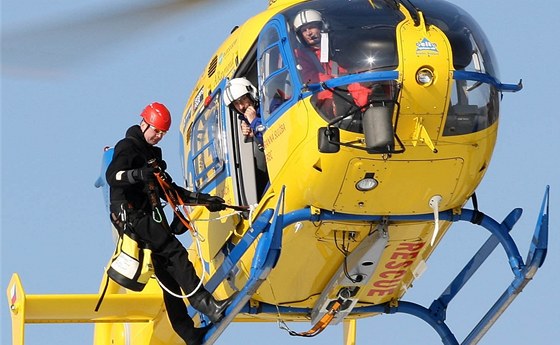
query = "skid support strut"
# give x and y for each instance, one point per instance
(269, 247)
(523, 273)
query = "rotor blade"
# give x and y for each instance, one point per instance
(47, 50)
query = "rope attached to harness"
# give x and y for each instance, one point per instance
(175, 201)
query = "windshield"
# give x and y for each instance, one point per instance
(471, 49)
(331, 39)
(354, 35)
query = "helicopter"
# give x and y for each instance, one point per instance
(364, 214)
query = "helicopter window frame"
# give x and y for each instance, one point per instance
(359, 42)
(472, 50)
(474, 104)
(207, 154)
(279, 79)
(183, 153)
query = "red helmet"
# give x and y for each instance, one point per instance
(157, 115)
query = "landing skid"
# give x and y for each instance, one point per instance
(268, 252)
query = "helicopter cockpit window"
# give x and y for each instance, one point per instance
(471, 49)
(207, 149)
(474, 105)
(276, 86)
(331, 39)
(355, 35)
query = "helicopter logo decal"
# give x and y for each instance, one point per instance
(426, 46)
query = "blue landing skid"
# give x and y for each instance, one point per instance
(268, 252)
(266, 257)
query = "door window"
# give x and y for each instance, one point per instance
(207, 147)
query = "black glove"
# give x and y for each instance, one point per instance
(212, 203)
(144, 174)
(162, 165)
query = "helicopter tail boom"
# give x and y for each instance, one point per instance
(75, 308)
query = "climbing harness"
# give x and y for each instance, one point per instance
(131, 265)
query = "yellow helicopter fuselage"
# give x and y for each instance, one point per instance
(432, 164)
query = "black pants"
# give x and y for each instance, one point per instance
(180, 320)
(173, 269)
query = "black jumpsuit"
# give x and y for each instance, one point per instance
(169, 256)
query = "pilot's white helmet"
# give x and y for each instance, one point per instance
(305, 17)
(238, 87)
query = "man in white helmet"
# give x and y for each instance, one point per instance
(315, 64)
(314, 61)
(241, 95)
(313, 57)
(309, 24)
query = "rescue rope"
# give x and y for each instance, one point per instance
(175, 201)
(199, 250)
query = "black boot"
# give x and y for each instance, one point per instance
(205, 303)
(198, 335)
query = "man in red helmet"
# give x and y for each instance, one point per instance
(130, 178)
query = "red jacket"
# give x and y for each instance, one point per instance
(314, 71)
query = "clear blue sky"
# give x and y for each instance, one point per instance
(56, 121)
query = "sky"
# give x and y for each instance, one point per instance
(61, 106)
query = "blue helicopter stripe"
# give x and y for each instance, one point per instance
(352, 78)
(488, 79)
(394, 75)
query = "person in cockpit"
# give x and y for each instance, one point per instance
(241, 95)
(316, 63)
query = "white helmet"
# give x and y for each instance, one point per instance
(305, 17)
(238, 87)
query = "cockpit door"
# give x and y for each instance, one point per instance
(207, 156)
(274, 72)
